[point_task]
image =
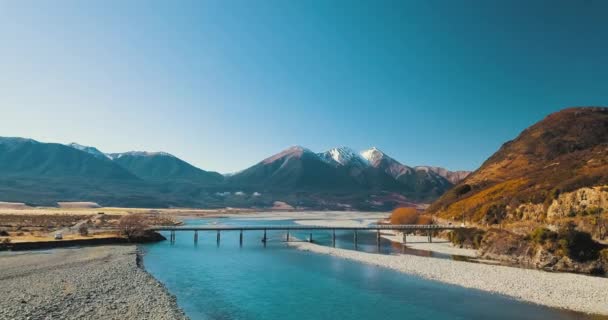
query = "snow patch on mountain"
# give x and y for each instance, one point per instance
(140, 154)
(90, 150)
(372, 155)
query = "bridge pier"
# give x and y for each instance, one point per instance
(264, 239)
(310, 237)
(287, 235)
(172, 236)
(430, 236)
(195, 236)
(355, 235)
(241, 238)
(333, 237)
(404, 240)
(378, 237)
(218, 238)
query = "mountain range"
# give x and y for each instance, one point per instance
(44, 173)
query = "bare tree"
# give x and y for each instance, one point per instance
(83, 229)
(132, 225)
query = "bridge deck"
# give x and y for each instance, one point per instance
(303, 227)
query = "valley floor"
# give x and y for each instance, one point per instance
(102, 282)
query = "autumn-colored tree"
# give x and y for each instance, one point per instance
(132, 225)
(404, 215)
(424, 219)
(408, 215)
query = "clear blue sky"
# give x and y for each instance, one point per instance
(223, 84)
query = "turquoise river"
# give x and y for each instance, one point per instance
(283, 283)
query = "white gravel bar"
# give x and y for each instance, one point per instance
(559, 290)
(101, 282)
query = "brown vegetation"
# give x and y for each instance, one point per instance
(408, 215)
(564, 152)
(48, 221)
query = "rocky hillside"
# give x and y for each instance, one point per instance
(556, 168)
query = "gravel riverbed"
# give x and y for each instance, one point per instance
(101, 282)
(560, 290)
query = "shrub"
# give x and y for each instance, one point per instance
(132, 225)
(604, 255)
(6, 241)
(462, 190)
(4, 233)
(404, 216)
(542, 235)
(466, 237)
(83, 229)
(578, 245)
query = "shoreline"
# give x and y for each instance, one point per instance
(557, 290)
(100, 282)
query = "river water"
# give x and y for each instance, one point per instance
(279, 282)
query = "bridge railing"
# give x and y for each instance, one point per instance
(306, 227)
(430, 229)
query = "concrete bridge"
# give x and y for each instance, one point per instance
(430, 229)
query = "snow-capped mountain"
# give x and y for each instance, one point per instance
(90, 150)
(293, 169)
(339, 169)
(380, 160)
(343, 156)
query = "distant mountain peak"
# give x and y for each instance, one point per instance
(291, 152)
(90, 150)
(453, 176)
(343, 156)
(140, 154)
(373, 155)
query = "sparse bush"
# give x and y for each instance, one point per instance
(466, 237)
(4, 233)
(132, 226)
(495, 214)
(83, 230)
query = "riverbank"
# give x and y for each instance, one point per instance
(102, 282)
(559, 290)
